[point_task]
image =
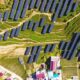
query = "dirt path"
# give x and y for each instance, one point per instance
(73, 18)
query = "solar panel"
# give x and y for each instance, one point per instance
(26, 5)
(6, 34)
(42, 20)
(32, 3)
(74, 45)
(30, 24)
(34, 49)
(63, 8)
(30, 60)
(53, 6)
(36, 24)
(13, 9)
(54, 16)
(24, 26)
(52, 47)
(47, 48)
(65, 50)
(37, 53)
(0, 37)
(0, 16)
(75, 5)
(44, 29)
(48, 5)
(17, 31)
(19, 9)
(12, 33)
(6, 15)
(27, 51)
(69, 7)
(42, 6)
(50, 28)
(37, 4)
(61, 45)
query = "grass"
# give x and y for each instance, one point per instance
(13, 65)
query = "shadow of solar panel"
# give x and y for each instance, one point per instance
(79, 57)
(78, 52)
(6, 15)
(28, 49)
(6, 34)
(53, 6)
(44, 29)
(0, 37)
(37, 4)
(42, 6)
(13, 9)
(48, 5)
(69, 7)
(17, 31)
(12, 33)
(50, 28)
(30, 24)
(19, 9)
(25, 8)
(24, 26)
(36, 24)
(47, 48)
(39, 48)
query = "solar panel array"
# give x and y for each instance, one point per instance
(70, 47)
(58, 8)
(75, 5)
(6, 15)
(34, 51)
(19, 10)
(49, 48)
(6, 34)
(13, 9)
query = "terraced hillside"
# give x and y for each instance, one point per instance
(13, 48)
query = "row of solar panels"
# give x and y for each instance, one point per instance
(34, 51)
(69, 48)
(4, 16)
(47, 28)
(19, 8)
(63, 8)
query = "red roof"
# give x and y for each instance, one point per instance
(41, 75)
(1, 74)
